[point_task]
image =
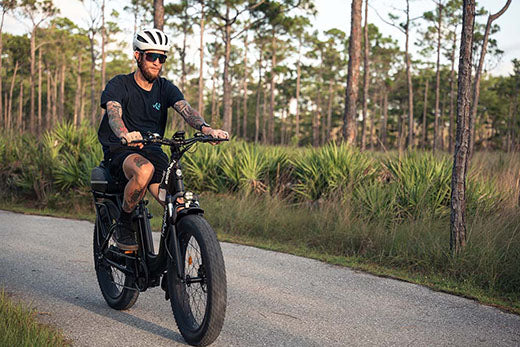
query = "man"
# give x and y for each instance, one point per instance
(135, 103)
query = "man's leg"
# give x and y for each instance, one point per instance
(154, 190)
(139, 171)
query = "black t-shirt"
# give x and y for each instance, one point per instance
(142, 110)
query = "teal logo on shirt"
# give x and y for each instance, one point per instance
(157, 106)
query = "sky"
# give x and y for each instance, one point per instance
(336, 14)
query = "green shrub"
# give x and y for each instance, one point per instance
(331, 171)
(422, 184)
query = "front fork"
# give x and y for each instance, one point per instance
(171, 204)
(177, 206)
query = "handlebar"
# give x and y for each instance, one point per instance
(177, 142)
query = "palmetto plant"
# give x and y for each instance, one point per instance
(331, 169)
(202, 169)
(74, 152)
(244, 168)
(423, 183)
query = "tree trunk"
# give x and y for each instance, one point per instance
(54, 98)
(409, 77)
(77, 97)
(93, 105)
(238, 116)
(227, 90)
(476, 85)
(214, 110)
(351, 94)
(201, 60)
(460, 162)
(20, 108)
(244, 119)
(183, 52)
(1, 49)
(258, 92)
(40, 90)
(4, 116)
(385, 118)
(425, 112)
(437, 79)
(61, 102)
(158, 14)
(49, 102)
(365, 80)
(32, 120)
(329, 110)
(270, 136)
(264, 118)
(9, 118)
(82, 102)
(316, 122)
(403, 137)
(452, 91)
(103, 44)
(372, 125)
(441, 126)
(319, 107)
(298, 86)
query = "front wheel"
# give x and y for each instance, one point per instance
(199, 303)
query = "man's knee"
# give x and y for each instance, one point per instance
(139, 168)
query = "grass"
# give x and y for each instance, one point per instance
(414, 250)
(384, 212)
(19, 326)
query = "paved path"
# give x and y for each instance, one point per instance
(274, 299)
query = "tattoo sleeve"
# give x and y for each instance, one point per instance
(115, 118)
(191, 116)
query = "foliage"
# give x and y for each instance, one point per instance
(333, 169)
(18, 326)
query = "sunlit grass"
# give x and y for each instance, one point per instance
(19, 326)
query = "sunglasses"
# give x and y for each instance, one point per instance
(152, 57)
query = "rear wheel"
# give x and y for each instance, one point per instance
(199, 303)
(115, 285)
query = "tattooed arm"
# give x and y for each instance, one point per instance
(193, 118)
(115, 120)
(190, 115)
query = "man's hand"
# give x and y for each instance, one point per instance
(133, 136)
(217, 133)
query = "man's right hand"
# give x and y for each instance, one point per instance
(133, 136)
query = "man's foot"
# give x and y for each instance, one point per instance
(125, 237)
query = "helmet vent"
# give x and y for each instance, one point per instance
(151, 36)
(140, 38)
(160, 38)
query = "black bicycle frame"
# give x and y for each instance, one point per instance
(149, 266)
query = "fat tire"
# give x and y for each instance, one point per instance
(205, 333)
(127, 297)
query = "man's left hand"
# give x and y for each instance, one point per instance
(217, 133)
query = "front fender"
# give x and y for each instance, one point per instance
(187, 211)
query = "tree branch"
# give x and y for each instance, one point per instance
(384, 20)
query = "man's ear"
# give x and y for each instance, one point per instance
(136, 56)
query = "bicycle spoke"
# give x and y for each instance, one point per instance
(195, 291)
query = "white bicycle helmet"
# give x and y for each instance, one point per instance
(151, 39)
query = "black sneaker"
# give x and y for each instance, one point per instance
(125, 237)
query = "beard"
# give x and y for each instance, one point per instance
(148, 75)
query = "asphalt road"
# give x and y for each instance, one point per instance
(274, 299)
